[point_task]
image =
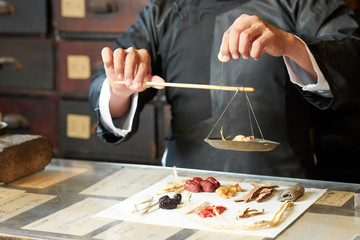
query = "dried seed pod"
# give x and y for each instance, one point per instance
(291, 194)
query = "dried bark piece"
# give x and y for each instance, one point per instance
(246, 213)
(256, 192)
(264, 194)
(291, 194)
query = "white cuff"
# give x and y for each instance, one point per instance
(125, 122)
(303, 79)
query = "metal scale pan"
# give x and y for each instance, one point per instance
(258, 144)
(254, 145)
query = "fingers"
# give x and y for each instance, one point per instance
(156, 79)
(107, 57)
(131, 63)
(133, 66)
(248, 37)
(119, 64)
(229, 48)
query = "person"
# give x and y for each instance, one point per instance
(297, 55)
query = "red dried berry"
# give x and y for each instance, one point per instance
(214, 181)
(197, 179)
(192, 186)
(207, 186)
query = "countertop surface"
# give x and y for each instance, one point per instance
(60, 203)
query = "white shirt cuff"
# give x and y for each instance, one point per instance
(303, 79)
(124, 124)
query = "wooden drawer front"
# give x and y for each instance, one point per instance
(30, 115)
(23, 16)
(78, 137)
(26, 63)
(77, 61)
(102, 16)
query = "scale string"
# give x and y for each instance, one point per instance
(221, 73)
(222, 113)
(253, 112)
(248, 108)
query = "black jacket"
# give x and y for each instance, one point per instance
(183, 39)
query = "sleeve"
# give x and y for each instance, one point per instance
(332, 35)
(120, 126)
(304, 80)
(143, 34)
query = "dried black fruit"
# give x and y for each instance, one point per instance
(165, 202)
(164, 197)
(168, 203)
(177, 197)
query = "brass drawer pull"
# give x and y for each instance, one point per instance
(6, 8)
(102, 6)
(10, 61)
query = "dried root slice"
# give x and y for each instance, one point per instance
(189, 207)
(228, 190)
(258, 193)
(246, 213)
(145, 205)
(239, 138)
(291, 194)
(242, 138)
(228, 224)
(177, 186)
(222, 135)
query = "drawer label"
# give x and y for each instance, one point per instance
(73, 8)
(78, 67)
(335, 198)
(78, 126)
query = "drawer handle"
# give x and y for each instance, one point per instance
(102, 6)
(6, 8)
(10, 61)
(16, 121)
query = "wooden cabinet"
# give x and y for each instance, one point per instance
(23, 17)
(49, 49)
(26, 63)
(97, 16)
(31, 114)
(76, 62)
(79, 140)
(82, 28)
(28, 98)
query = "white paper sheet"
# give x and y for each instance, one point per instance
(76, 219)
(123, 210)
(123, 183)
(17, 202)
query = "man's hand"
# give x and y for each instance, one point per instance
(131, 66)
(250, 36)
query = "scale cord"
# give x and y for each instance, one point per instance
(252, 110)
(222, 113)
(251, 126)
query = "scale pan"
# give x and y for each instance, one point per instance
(256, 145)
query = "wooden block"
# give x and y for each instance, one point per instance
(23, 155)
